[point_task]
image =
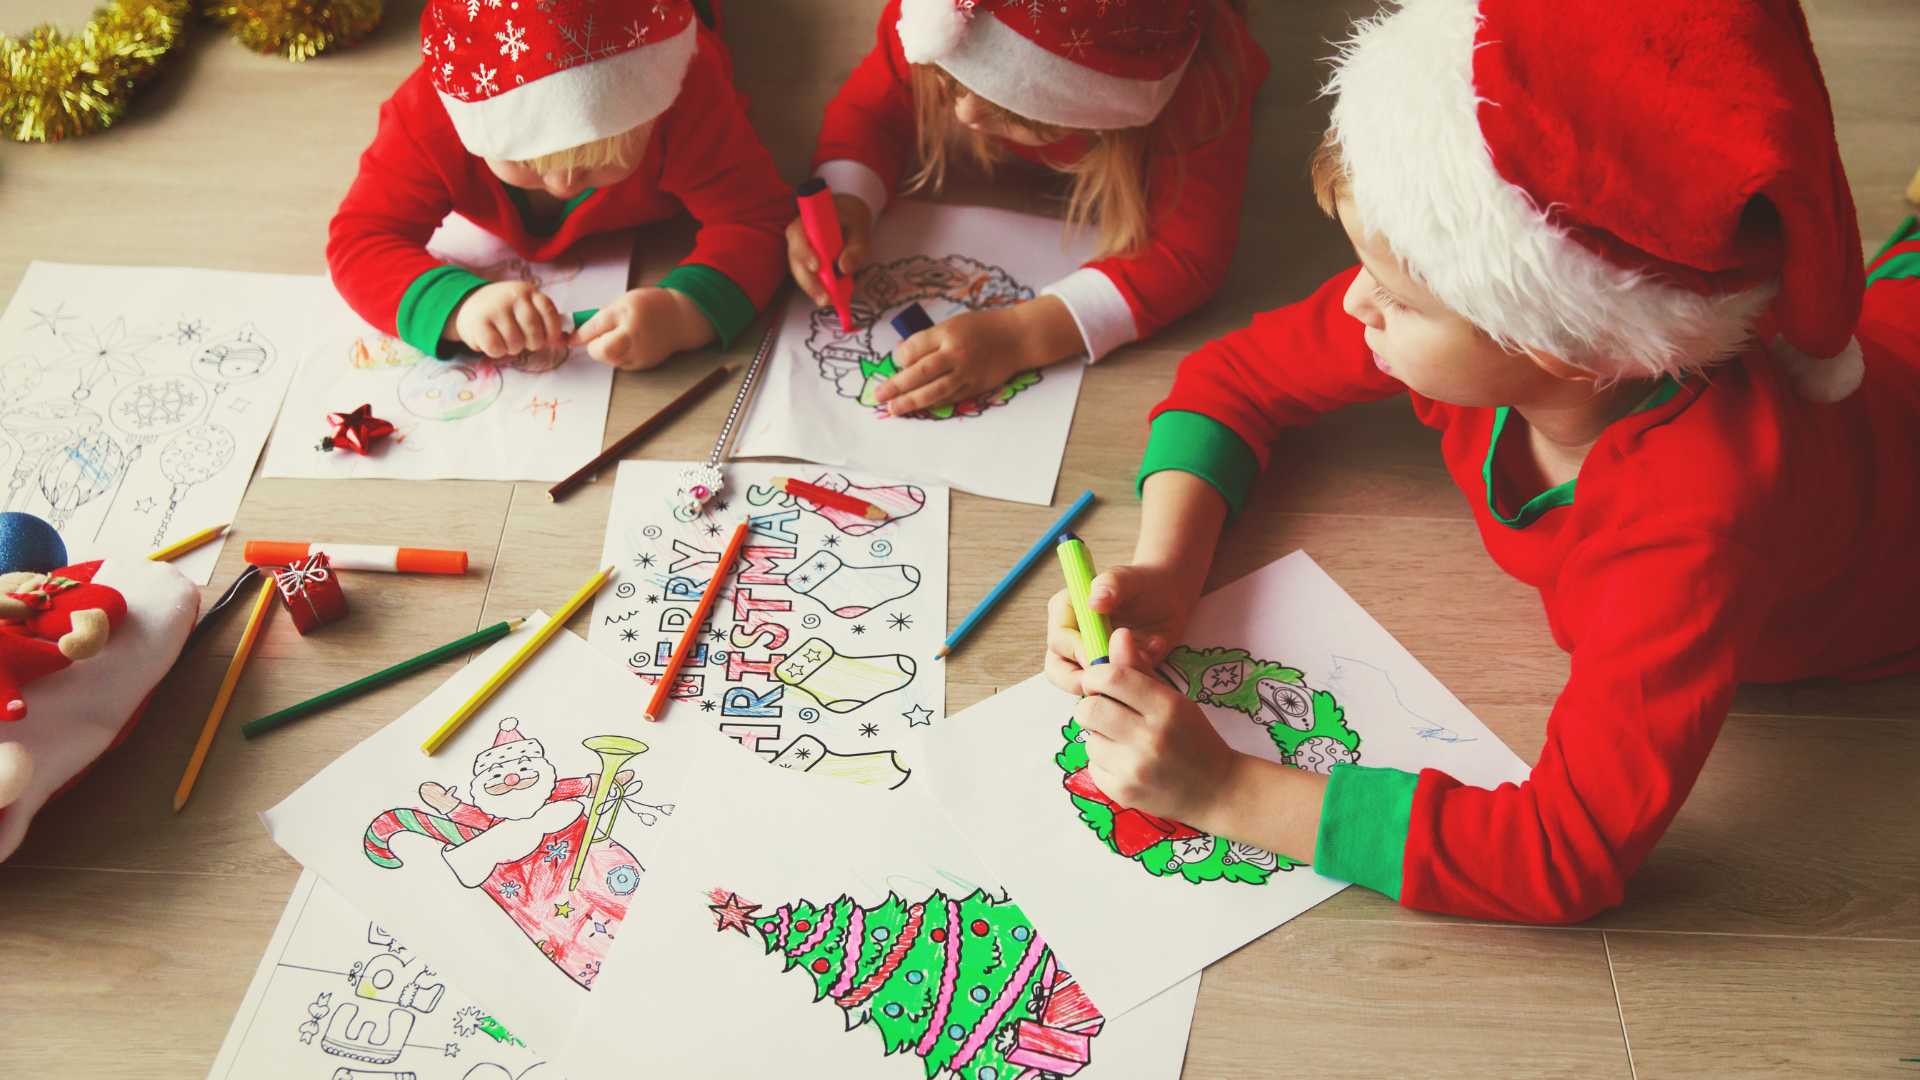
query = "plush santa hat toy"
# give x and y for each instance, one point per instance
(1623, 184)
(526, 79)
(1091, 64)
(508, 746)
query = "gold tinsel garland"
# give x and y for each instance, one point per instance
(54, 85)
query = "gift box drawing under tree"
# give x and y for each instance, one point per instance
(541, 846)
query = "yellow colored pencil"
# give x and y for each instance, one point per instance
(262, 605)
(181, 547)
(515, 662)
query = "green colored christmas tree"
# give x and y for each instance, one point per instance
(965, 985)
(1306, 725)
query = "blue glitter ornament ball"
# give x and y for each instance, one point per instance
(28, 543)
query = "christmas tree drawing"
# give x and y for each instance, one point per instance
(1307, 726)
(964, 985)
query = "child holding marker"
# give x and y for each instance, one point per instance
(1600, 242)
(503, 124)
(1144, 107)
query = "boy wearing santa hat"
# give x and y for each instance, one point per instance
(543, 124)
(1601, 242)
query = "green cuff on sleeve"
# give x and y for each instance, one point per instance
(429, 302)
(1195, 443)
(724, 304)
(1364, 818)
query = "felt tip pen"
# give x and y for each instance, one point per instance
(1078, 567)
(820, 219)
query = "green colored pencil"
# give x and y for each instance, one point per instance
(380, 678)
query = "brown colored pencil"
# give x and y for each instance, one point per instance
(639, 434)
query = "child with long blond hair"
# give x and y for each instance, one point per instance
(506, 125)
(1143, 108)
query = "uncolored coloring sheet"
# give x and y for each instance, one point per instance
(819, 651)
(803, 929)
(338, 997)
(1287, 667)
(510, 856)
(134, 400)
(539, 417)
(816, 399)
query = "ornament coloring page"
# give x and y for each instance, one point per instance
(818, 655)
(817, 399)
(532, 417)
(338, 996)
(134, 400)
(512, 854)
(804, 929)
(1287, 667)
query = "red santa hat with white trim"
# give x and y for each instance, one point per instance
(508, 746)
(1099, 65)
(1634, 187)
(522, 78)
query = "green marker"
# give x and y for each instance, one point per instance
(1078, 566)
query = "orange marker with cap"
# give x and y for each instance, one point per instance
(379, 557)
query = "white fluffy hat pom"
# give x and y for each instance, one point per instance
(931, 29)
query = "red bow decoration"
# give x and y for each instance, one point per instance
(358, 431)
(1134, 831)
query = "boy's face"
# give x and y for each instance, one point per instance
(1419, 341)
(566, 183)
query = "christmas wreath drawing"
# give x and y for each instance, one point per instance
(1307, 726)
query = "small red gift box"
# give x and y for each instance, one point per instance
(311, 591)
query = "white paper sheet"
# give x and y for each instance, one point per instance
(134, 400)
(819, 653)
(709, 1001)
(462, 419)
(494, 907)
(1319, 676)
(815, 401)
(338, 996)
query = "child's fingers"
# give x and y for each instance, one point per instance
(909, 378)
(1103, 595)
(610, 348)
(508, 327)
(853, 254)
(805, 265)
(602, 322)
(1062, 672)
(532, 327)
(550, 319)
(1136, 689)
(941, 391)
(910, 352)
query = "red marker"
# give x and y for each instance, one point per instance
(821, 221)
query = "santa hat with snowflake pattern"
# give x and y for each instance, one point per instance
(522, 78)
(508, 745)
(1628, 185)
(1093, 64)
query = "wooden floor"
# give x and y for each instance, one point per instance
(1776, 931)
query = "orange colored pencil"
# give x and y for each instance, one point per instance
(690, 637)
(262, 607)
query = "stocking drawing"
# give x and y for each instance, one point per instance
(850, 591)
(842, 684)
(898, 500)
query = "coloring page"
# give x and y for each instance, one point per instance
(819, 651)
(134, 400)
(1287, 667)
(512, 854)
(337, 997)
(817, 403)
(804, 929)
(536, 417)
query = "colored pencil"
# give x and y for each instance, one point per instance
(638, 435)
(262, 606)
(992, 599)
(1077, 565)
(839, 500)
(475, 640)
(378, 557)
(515, 662)
(181, 547)
(690, 637)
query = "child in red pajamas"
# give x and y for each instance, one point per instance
(1602, 244)
(545, 123)
(1147, 108)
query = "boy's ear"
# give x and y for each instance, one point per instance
(1559, 368)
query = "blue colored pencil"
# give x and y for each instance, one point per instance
(1040, 548)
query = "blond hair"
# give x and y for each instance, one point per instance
(618, 151)
(1327, 170)
(1109, 180)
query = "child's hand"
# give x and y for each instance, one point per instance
(856, 231)
(1152, 601)
(505, 319)
(977, 352)
(1148, 747)
(643, 328)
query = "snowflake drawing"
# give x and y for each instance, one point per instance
(636, 34)
(707, 706)
(629, 634)
(483, 79)
(643, 561)
(105, 352)
(555, 851)
(187, 331)
(1077, 42)
(473, 10)
(513, 41)
(156, 405)
(509, 889)
(869, 730)
(51, 320)
(900, 621)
